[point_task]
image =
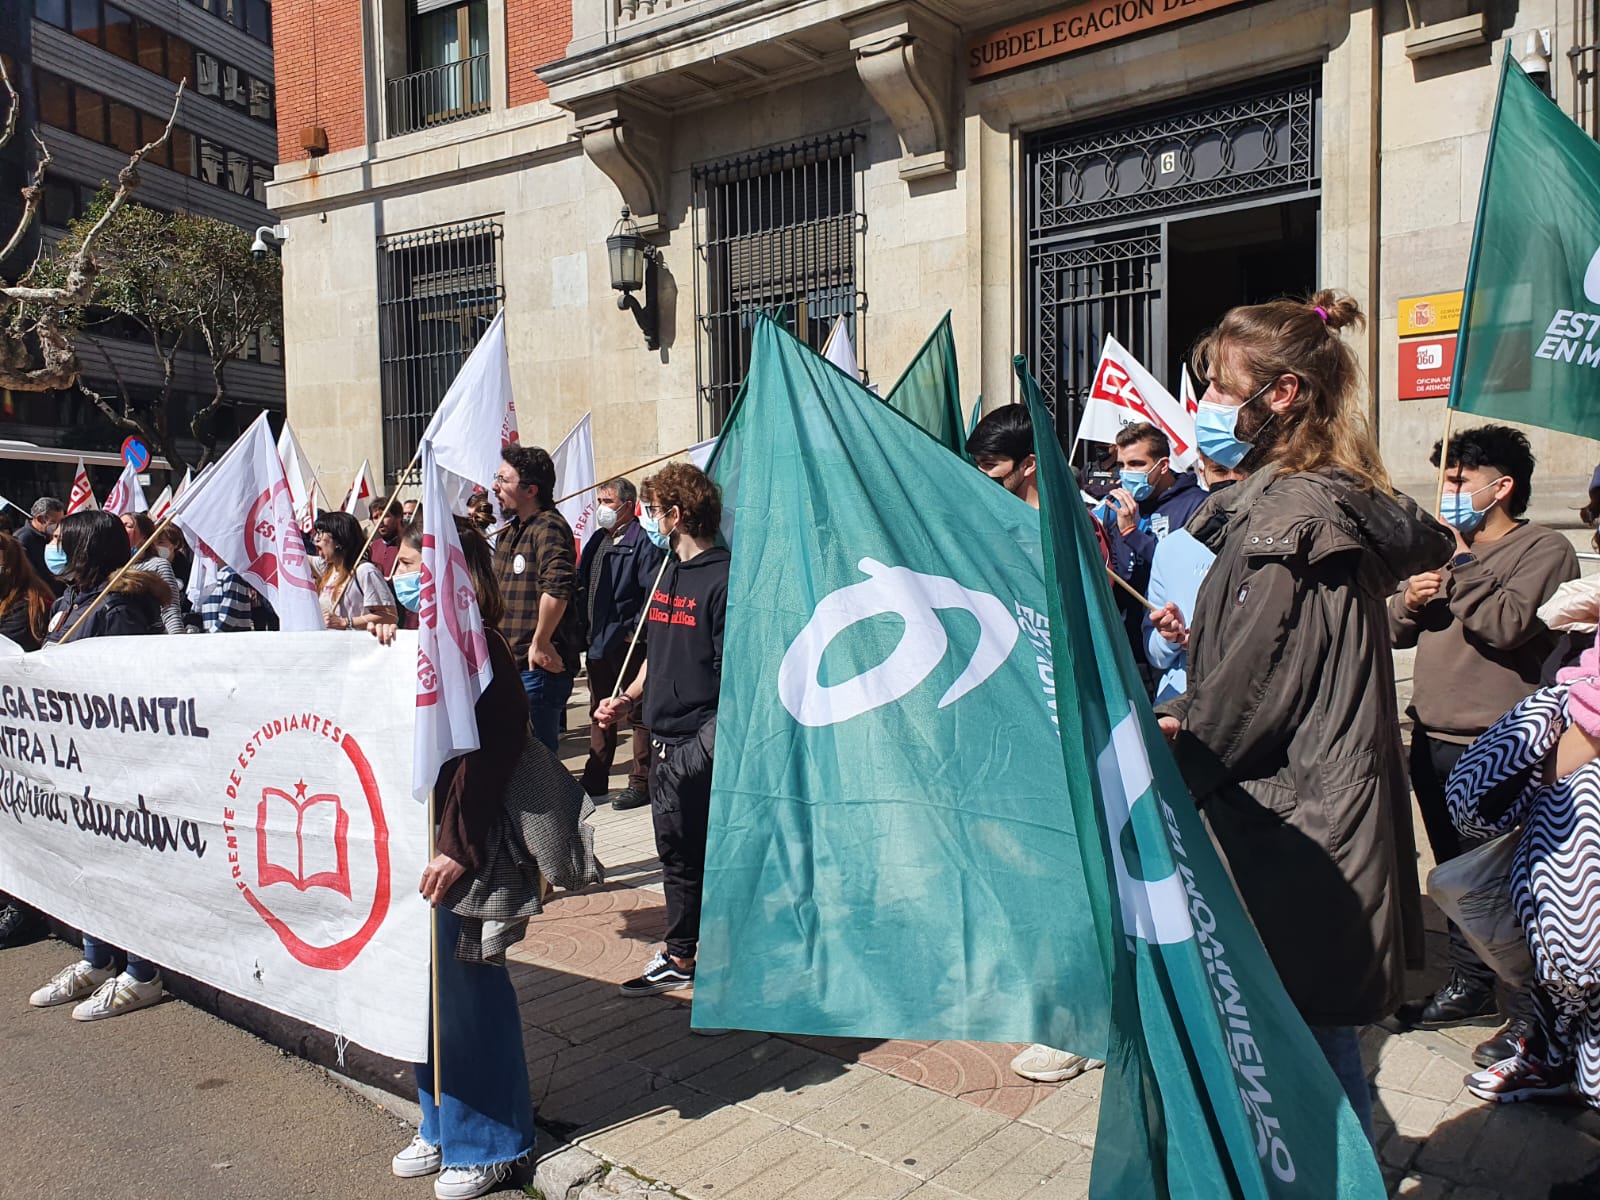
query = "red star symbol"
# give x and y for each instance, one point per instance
(300, 790)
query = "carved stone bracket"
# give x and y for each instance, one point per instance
(906, 57)
(632, 144)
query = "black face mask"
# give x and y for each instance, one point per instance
(1224, 484)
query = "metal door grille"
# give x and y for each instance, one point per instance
(438, 289)
(777, 232)
(1100, 198)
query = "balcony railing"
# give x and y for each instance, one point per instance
(439, 95)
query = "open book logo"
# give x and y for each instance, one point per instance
(303, 840)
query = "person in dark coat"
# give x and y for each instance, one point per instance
(1289, 733)
(615, 575)
(36, 533)
(1150, 501)
(25, 604)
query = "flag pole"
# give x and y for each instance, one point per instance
(643, 617)
(433, 956)
(119, 573)
(1444, 457)
(372, 537)
(1131, 590)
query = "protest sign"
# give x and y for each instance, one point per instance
(213, 806)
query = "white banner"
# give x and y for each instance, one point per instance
(1124, 393)
(575, 480)
(220, 807)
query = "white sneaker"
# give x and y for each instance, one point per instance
(1045, 1064)
(416, 1160)
(124, 994)
(69, 984)
(463, 1183)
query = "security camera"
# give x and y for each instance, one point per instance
(278, 233)
(1535, 59)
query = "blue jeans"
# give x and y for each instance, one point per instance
(100, 956)
(547, 700)
(485, 1115)
(1341, 1046)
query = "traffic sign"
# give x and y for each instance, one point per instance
(135, 453)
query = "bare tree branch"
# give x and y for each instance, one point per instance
(128, 178)
(32, 197)
(13, 104)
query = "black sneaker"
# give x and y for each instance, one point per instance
(13, 923)
(1504, 1044)
(662, 975)
(1456, 1001)
(629, 797)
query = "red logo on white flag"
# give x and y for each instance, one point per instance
(271, 512)
(1113, 385)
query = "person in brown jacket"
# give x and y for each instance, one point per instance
(1474, 620)
(1288, 735)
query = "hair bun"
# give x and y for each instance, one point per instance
(1337, 309)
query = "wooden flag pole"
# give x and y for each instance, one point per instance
(1131, 590)
(120, 572)
(1444, 457)
(643, 617)
(433, 956)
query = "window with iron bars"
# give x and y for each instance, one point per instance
(777, 233)
(438, 290)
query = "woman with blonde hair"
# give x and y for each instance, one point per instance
(1289, 734)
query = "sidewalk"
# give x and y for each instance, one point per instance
(752, 1116)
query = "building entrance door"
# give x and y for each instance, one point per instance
(1150, 226)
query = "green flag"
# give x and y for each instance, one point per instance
(1214, 1086)
(1529, 346)
(891, 851)
(929, 393)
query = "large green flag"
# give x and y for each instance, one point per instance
(1529, 346)
(1214, 1086)
(928, 393)
(891, 850)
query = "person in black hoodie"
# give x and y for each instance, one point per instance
(685, 624)
(96, 546)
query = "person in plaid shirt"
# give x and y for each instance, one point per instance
(535, 562)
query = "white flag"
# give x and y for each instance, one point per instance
(700, 452)
(160, 506)
(574, 459)
(1124, 393)
(476, 419)
(82, 497)
(183, 484)
(452, 650)
(202, 574)
(301, 478)
(127, 496)
(1186, 392)
(838, 350)
(240, 510)
(362, 489)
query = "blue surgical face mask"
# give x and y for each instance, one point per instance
(408, 590)
(56, 559)
(1137, 484)
(1215, 430)
(652, 530)
(1455, 508)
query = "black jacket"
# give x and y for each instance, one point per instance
(621, 591)
(134, 606)
(687, 616)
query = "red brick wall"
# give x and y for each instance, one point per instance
(318, 56)
(537, 32)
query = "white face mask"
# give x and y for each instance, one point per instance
(165, 552)
(606, 517)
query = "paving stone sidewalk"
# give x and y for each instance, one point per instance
(751, 1116)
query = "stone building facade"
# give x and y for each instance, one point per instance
(1047, 175)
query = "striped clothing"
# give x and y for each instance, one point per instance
(1498, 784)
(227, 604)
